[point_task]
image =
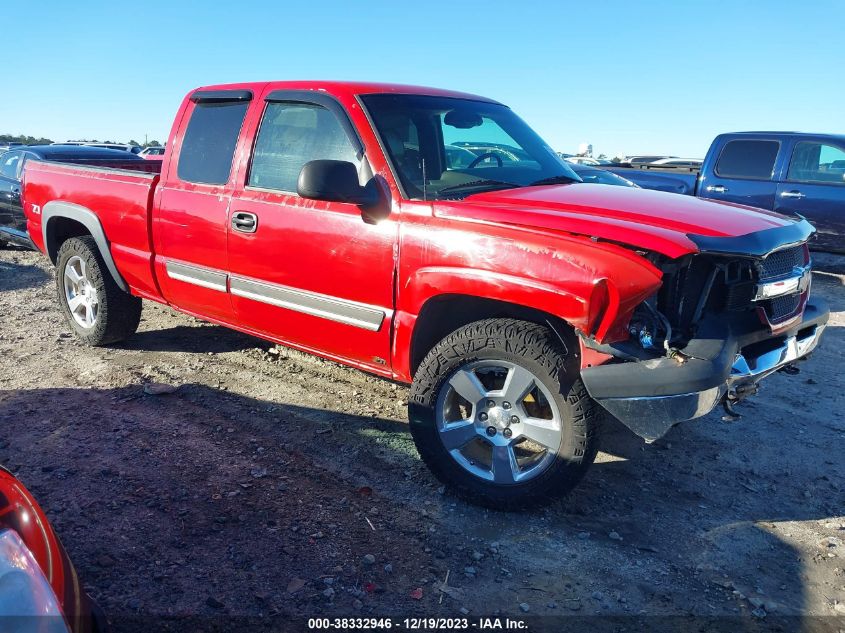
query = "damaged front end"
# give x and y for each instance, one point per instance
(724, 319)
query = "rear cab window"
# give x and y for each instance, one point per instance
(208, 145)
(10, 165)
(752, 159)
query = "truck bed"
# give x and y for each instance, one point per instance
(119, 197)
(148, 166)
(672, 169)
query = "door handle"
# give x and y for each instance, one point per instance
(244, 222)
(717, 188)
(792, 194)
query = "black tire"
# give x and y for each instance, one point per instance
(535, 348)
(118, 312)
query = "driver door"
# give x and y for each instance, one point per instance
(310, 274)
(814, 187)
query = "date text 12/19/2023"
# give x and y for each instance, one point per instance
(417, 624)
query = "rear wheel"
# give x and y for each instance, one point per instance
(498, 412)
(95, 307)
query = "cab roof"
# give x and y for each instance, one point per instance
(839, 137)
(346, 88)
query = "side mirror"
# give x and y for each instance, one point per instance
(334, 181)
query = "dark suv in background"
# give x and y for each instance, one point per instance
(12, 219)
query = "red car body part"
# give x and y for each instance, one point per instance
(20, 513)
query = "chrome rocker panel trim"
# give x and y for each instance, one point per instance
(203, 277)
(312, 303)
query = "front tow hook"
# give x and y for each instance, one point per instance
(734, 397)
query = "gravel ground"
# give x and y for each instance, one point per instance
(275, 483)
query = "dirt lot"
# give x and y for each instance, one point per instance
(274, 483)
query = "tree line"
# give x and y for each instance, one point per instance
(5, 139)
(26, 140)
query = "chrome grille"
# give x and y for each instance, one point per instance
(706, 285)
(783, 307)
(781, 263)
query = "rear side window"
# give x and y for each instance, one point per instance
(292, 134)
(209, 143)
(817, 162)
(9, 164)
(754, 160)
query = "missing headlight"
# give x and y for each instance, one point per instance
(650, 328)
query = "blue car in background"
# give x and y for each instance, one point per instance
(787, 172)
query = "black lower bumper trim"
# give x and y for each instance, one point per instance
(652, 395)
(710, 359)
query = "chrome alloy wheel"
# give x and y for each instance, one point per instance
(498, 421)
(80, 294)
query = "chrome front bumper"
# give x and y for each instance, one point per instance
(751, 370)
(651, 416)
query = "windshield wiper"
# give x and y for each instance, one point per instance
(483, 182)
(553, 180)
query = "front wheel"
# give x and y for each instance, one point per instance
(95, 307)
(499, 414)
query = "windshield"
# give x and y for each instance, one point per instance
(445, 147)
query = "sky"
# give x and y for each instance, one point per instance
(628, 77)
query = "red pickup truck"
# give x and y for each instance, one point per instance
(431, 237)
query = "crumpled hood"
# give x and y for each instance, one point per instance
(650, 220)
